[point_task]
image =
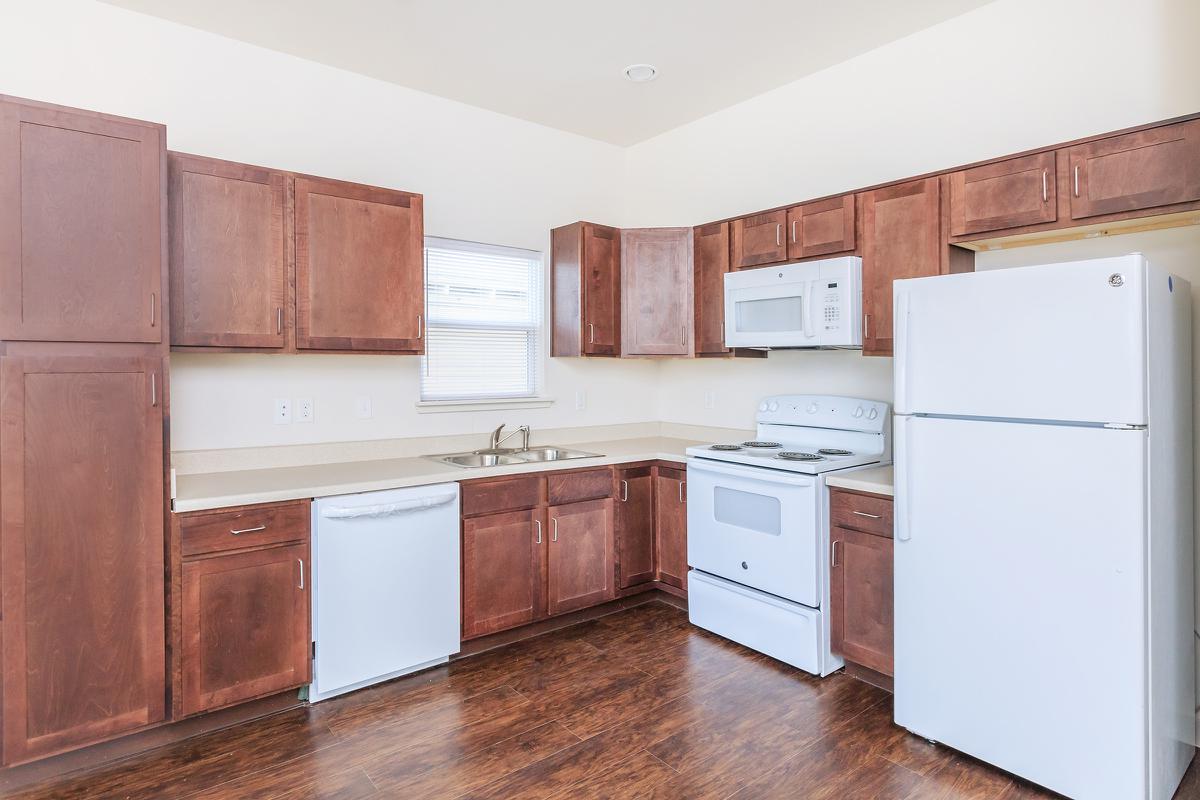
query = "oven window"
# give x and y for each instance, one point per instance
(755, 512)
(774, 315)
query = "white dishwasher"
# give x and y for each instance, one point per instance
(385, 585)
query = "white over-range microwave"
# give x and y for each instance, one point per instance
(809, 304)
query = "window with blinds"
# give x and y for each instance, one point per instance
(483, 321)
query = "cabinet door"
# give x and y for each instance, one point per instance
(1004, 194)
(861, 598)
(656, 292)
(228, 262)
(502, 571)
(245, 623)
(901, 226)
(360, 269)
(581, 555)
(82, 205)
(601, 290)
(823, 228)
(81, 543)
(710, 263)
(670, 522)
(758, 240)
(635, 527)
(1146, 169)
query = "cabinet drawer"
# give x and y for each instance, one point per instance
(251, 526)
(574, 487)
(508, 494)
(861, 512)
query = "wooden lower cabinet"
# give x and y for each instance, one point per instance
(580, 571)
(635, 526)
(81, 548)
(861, 610)
(245, 623)
(241, 624)
(670, 519)
(502, 568)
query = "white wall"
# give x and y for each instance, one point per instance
(485, 177)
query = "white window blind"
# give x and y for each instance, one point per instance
(484, 321)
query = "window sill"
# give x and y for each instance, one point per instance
(445, 406)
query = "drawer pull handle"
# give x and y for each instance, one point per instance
(240, 531)
(865, 514)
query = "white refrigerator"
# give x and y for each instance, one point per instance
(1044, 609)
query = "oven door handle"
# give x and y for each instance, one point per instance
(701, 467)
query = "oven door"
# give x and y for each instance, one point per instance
(755, 526)
(772, 307)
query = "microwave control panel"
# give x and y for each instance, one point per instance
(832, 302)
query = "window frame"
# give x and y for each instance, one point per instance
(541, 332)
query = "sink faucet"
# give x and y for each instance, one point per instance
(497, 439)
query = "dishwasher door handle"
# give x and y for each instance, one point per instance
(388, 509)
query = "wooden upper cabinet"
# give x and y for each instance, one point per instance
(82, 206)
(1146, 169)
(81, 548)
(758, 240)
(710, 263)
(1003, 194)
(585, 285)
(656, 292)
(670, 523)
(360, 277)
(580, 555)
(245, 626)
(823, 228)
(228, 254)
(635, 526)
(900, 239)
(502, 567)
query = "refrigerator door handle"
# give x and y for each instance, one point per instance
(904, 485)
(901, 344)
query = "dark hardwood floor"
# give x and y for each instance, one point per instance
(637, 704)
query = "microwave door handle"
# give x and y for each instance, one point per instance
(808, 314)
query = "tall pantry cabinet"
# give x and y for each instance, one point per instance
(83, 427)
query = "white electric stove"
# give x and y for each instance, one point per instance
(758, 523)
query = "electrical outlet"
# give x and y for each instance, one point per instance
(362, 407)
(580, 400)
(710, 399)
(304, 410)
(283, 411)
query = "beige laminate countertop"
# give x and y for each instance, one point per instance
(203, 491)
(876, 480)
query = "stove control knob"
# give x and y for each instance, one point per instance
(774, 406)
(858, 412)
(812, 408)
(873, 413)
(762, 406)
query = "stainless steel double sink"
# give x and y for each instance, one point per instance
(503, 457)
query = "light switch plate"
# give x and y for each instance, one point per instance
(580, 400)
(283, 411)
(304, 409)
(362, 407)
(710, 399)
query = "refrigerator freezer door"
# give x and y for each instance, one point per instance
(1054, 342)
(1019, 598)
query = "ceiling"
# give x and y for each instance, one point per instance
(560, 62)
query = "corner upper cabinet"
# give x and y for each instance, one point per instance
(1146, 169)
(360, 277)
(710, 263)
(822, 228)
(901, 233)
(656, 292)
(82, 207)
(228, 254)
(1004, 194)
(585, 284)
(758, 240)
